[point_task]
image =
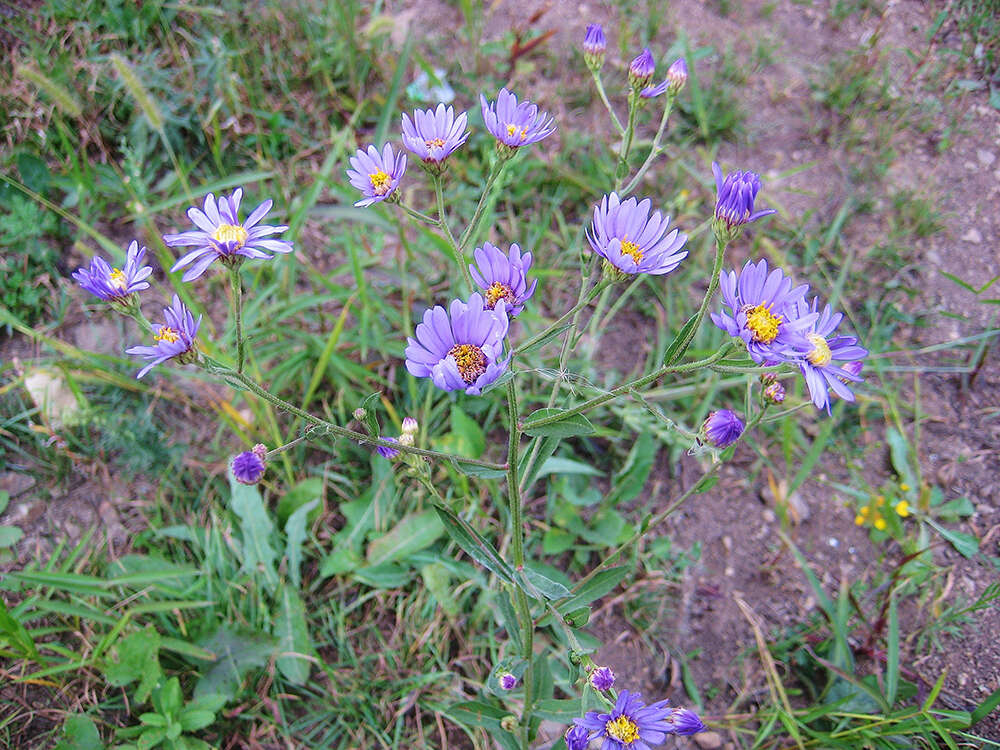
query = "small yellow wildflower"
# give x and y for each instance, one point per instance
(902, 509)
(879, 523)
(904, 487)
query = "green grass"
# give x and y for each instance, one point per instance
(134, 112)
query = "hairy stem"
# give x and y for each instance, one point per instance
(236, 284)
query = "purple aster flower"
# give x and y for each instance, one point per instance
(594, 45)
(631, 725)
(113, 284)
(634, 241)
(460, 349)
(722, 428)
(640, 70)
(735, 196)
(434, 134)
(220, 235)
(384, 450)
(503, 277)
(677, 75)
(507, 680)
(175, 339)
(376, 175)
(514, 124)
(763, 312)
(249, 466)
(602, 678)
(821, 365)
(685, 722)
(577, 738)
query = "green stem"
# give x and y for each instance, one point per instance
(581, 303)
(655, 150)
(491, 181)
(607, 104)
(625, 388)
(713, 285)
(236, 284)
(333, 429)
(443, 223)
(633, 111)
(420, 216)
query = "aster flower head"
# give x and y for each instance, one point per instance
(384, 450)
(221, 236)
(249, 467)
(460, 348)
(735, 196)
(685, 722)
(633, 240)
(763, 312)
(631, 724)
(594, 45)
(577, 738)
(722, 428)
(677, 75)
(602, 678)
(641, 69)
(113, 284)
(503, 277)
(433, 134)
(173, 339)
(515, 124)
(375, 174)
(824, 365)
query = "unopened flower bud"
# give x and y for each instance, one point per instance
(677, 76)
(260, 450)
(360, 414)
(774, 393)
(602, 678)
(722, 428)
(248, 467)
(594, 45)
(577, 738)
(406, 439)
(507, 680)
(640, 70)
(410, 426)
(685, 722)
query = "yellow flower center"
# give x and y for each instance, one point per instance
(763, 323)
(622, 729)
(497, 292)
(117, 278)
(380, 182)
(227, 233)
(511, 129)
(435, 143)
(631, 249)
(820, 355)
(167, 334)
(470, 360)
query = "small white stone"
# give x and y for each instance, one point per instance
(833, 542)
(973, 236)
(985, 157)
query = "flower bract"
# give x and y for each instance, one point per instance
(175, 338)
(763, 312)
(111, 284)
(824, 365)
(515, 124)
(634, 240)
(460, 348)
(503, 277)
(433, 134)
(376, 174)
(221, 236)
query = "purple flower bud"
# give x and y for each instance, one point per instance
(677, 75)
(853, 368)
(774, 393)
(722, 428)
(594, 45)
(360, 414)
(685, 722)
(641, 69)
(385, 451)
(260, 450)
(507, 680)
(248, 467)
(577, 738)
(410, 426)
(735, 198)
(602, 678)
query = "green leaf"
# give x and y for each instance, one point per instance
(292, 632)
(412, 534)
(341, 560)
(167, 698)
(437, 579)
(673, 350)
(257, 529)
(237, 653)
(295, 532)
(568, 426)
(561, 465)
(892, 653)
(474, 470)
(197, 719)
(79, 733)
(966, 544)
(13, 632)
(137, 658)
(303, 493)
(472, 441)
(4, 501)
(955, 510)
(543, 585)
(632, 478)
(384, 576)
(557, 541)
(473, 544)
(559, 710)
(987, 707)
(899, 452)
